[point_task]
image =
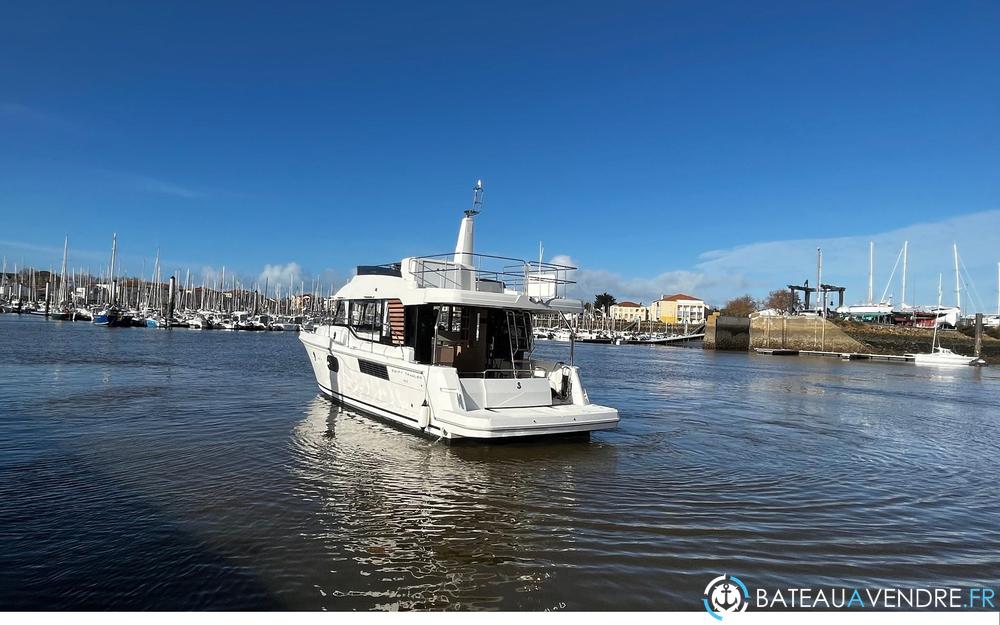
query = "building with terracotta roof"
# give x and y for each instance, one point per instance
(678, 308)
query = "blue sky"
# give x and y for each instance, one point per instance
(646, 141)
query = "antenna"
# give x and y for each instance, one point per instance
(477, 199)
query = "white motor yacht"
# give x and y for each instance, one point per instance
(442, 345)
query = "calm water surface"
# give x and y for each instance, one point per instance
(185, 469)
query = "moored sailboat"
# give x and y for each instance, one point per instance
(941, 356)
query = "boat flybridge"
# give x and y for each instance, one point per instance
(443, 344)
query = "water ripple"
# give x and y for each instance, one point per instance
(172, 470)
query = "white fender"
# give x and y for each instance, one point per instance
(424, 419)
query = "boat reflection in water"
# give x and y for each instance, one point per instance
(408, 523)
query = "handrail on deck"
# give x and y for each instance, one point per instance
(517, 273)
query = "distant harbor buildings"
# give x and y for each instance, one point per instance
(629, 312)
(678, 308)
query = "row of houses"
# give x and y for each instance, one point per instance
(677, 308)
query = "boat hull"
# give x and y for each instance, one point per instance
(435, 401)
(112, 321)
(943, 360)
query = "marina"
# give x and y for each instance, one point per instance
(723, 336)
(865, 472)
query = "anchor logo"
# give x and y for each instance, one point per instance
(725, 594)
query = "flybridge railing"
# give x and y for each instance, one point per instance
(529, 277)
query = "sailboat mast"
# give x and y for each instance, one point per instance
(958, 282)
(111, 278)
(902, 297)
(937, 316)
(62, 273)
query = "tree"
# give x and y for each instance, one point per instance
(604, 301)
(740, 306)
(781, 299)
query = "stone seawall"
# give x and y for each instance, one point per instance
(727, 333)
(815, 334)
(803, 333)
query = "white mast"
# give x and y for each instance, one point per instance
(111, 279)
(902, 297)
(871, 270)
(937, 316)
(998, 289)
(958, 282)
(464, 246)
(62, 277)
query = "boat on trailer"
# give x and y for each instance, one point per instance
(443, 345)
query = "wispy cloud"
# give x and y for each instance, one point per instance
(150, 184)
(589, 282)
(757, 268)
(49, 253)
(21, 114)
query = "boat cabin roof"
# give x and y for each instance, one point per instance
(521, 285)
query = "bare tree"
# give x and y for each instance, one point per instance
(740, 306)
(781, 299)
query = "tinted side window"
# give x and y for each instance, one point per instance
(340, 313)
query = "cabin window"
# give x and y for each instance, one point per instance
(455, 322)
(366, 315)
(340, 313)
(371, 320)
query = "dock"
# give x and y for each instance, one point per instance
(666, 340)
(842, 355)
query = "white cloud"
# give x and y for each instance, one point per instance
(162, 187)
(590, 282)
(757, 268)
(281, 274)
